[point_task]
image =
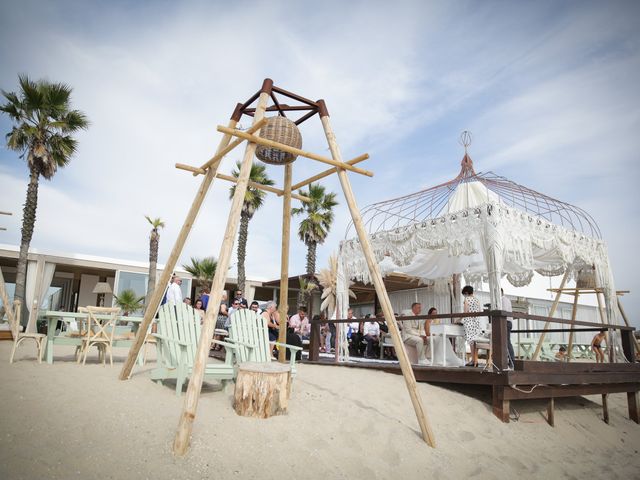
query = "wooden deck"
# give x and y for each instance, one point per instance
(529, 380)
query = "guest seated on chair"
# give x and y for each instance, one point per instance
(413, 334)
(372, 336)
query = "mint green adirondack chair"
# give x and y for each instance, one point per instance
(177, 343)
(250, 336)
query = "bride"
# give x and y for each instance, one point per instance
(450, 357)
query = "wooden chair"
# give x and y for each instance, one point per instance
(482, 344)
(19, 337)
(249, 338)
(99, 332)
(177, 342)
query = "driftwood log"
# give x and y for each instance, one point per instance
(262, 389)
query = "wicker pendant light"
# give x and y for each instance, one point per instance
(282, 130)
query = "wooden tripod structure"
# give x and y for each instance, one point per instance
(576, 292)
(209, 170)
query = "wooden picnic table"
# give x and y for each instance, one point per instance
(52, 317)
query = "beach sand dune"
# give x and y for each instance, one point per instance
(67, 421)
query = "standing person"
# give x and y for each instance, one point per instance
(412, 334)
(221, 321)
(356, 333)
(270, 314)
(596, 345)
(330, 332)
(473, 328)
(507, 307)
(198, 308)
(255, 307)
(204, 296)
(174, 292)
(238, 296)
(372, 336)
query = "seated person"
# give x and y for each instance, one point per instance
(371, 336)
(413, 334)
(299, 322)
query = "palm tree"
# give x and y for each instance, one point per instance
(202, 270)
(154, 241)
(129, 302)
(43, 124)
(253, 200)
(315, 227)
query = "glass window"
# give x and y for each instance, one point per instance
(132, 281)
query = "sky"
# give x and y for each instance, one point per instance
(548, 90)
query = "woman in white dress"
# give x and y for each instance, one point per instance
(450, 357)
(475, 328)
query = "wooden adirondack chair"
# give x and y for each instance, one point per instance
(250, 336)
(177, 342)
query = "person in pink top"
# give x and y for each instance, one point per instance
(300, 323)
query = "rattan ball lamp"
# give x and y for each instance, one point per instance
(282, 130)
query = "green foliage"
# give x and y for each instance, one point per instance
(203, 270)
(316, 225)
(253, 198)
(129, 302)
(43, 124)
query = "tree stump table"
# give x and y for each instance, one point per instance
(262, 389)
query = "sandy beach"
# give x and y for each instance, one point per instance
(66, 421)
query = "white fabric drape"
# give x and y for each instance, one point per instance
(39, 277)
(342, 305)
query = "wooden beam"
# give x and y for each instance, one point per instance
(185, 425)
(6, 213)
(376, 277)
(220, 155)
(266, 188)
(632, 401)
(500, 403)
(626, 322)
(550, 412)
(163, 281)
(326, 173)
(573, 319)
(605, 408)
(551, 312)
(283, 303)
(295, 151)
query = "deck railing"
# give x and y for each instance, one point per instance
(498, 320)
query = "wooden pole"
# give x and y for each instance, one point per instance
(266, 188)
(551, 312)
(185, 425)
(156, 298)
(573, 319)
(220, 154)
(293, 150)
(626, 321)
(603, 319)
(605, 408)
(326, 173)
(283, 304)
(381, 291)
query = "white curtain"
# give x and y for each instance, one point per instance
(342, 305)
(39, 277)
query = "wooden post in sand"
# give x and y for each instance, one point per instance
(626, 322)
(283, 304)
(376, 277)
(156, 298)
(181, 441)
(551, 313)
(573, 319)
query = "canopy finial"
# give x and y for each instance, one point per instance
(465, 140)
